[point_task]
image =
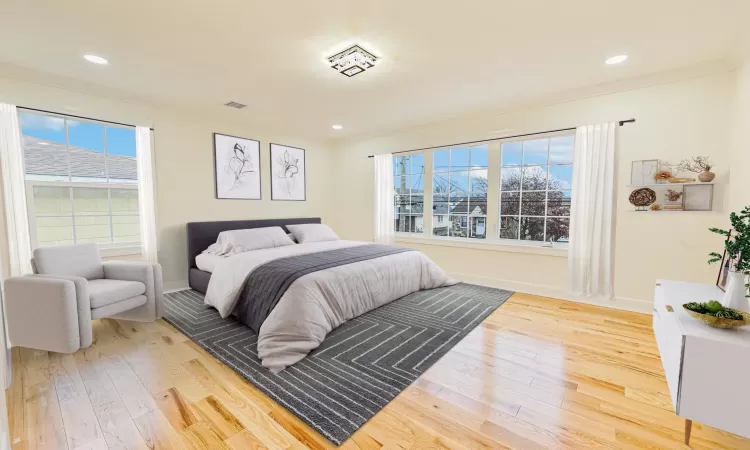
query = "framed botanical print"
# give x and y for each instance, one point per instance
(287, 173)
(237, 167)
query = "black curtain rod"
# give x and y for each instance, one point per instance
(621, 122)
(78, 117)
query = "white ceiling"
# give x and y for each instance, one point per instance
(441, 58)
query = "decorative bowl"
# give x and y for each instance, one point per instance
(681, 180)
(720, 322)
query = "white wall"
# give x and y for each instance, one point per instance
(683, 115)
(184, 165)
(740, 187)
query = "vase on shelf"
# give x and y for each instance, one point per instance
(734, 295)
(706, 176)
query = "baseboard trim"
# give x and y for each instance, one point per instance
(174, 286)
(622, 303)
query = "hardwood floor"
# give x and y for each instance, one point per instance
(537, 374)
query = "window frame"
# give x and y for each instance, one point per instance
(108, 249)
(424, 195)
(518, 241)
(468, 215)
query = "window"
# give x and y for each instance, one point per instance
(408, 183)
(459, 192)
(535, 188)
(81, 181)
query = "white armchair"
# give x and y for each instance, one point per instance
(52, 309)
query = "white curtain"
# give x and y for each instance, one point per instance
(590, 252)
(383, 199)
(146, 201)
(14, 191)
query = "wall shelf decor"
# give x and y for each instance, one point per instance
(693, 196)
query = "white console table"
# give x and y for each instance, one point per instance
(707, 369)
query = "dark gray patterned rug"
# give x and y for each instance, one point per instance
(360, 366)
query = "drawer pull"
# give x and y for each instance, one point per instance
(669, 308)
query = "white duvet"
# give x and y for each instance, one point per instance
(318, 302)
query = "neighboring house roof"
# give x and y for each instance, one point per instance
(50, 158)
(477, 204)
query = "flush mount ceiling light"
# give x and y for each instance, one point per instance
(352, 61)
(237, 105)
(616, 59)
(95, 59)
(337, 127)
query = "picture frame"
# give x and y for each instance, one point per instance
(236, 168)
(698, 197)
(288, 177)
(725, 267)
(642, 171)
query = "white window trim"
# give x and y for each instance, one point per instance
(500, 245)
(424, 195)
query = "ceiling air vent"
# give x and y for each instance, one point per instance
(235, 105)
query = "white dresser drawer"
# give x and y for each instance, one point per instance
(670, 340)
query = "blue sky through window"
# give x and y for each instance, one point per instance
(120, 141)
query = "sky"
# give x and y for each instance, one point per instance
(88, 135)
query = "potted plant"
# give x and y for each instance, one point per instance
(701, 165)
(737, 248)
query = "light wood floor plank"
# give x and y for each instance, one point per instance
(538, 373)
(96, 444)
(15, 404)
(202, 436)
(157, 432)
(119, 430)
(176, 410)
(43, 418)
(95, 378)
(134, 395)
(81, 426)
(222, 421)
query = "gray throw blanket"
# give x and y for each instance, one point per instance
(265, 285)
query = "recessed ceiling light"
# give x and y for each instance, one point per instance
(337, 127)
(95, 59)
(616, 59)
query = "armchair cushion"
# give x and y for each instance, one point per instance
(144, 272)
(105, 292)
(80, 260)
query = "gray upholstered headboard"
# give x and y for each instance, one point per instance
(202, 234)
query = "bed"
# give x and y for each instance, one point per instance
(202, 234)
(292, 296)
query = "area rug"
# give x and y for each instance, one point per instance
(360, 366)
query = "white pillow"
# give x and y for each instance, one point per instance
(238, 241)
(312, 232)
